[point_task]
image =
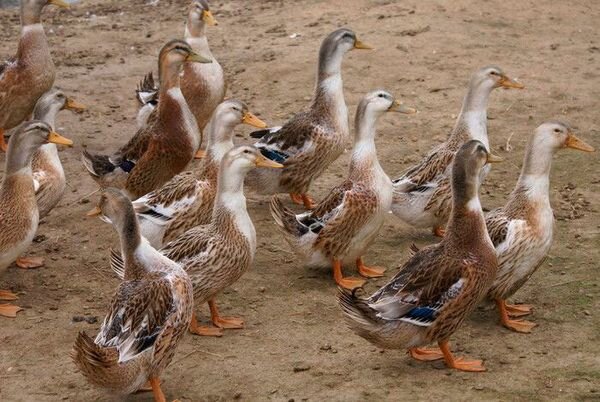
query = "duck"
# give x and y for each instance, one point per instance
(436, 289)
(522, 230)
(216, 255)
(30, 73)
(422, 196)
(48, 174)
(19, 213)
(187, 199)
(311, 140)
(202, 85)
(343, 225)
(148, 315)
(165, 146)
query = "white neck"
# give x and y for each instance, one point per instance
(473, 114)
(198, 43)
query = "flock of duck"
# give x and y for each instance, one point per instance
(185, 236)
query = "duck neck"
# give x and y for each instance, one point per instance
(195, 36)
(471, 123)
(131, 246)
(329, 91)
(18, 157)
(220, 139)
(31, 13)
(46, 113)
(230, 194)
(467, 222)
(169, 77)
(534, 180)
(364, 154)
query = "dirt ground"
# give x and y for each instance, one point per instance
(295, 345)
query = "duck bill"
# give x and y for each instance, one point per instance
(200, 154)
(75, 106)
(491, 158)
(507, 82)
(208, 18)
(59, 3)
(96, 211)
(576, 143)
(399, 107)
(196, 58)
(56, 138)
(253, 121)
(261, 161)
(362, 45)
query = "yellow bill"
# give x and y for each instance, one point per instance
(491, 158)
(56, 138)
(96, 211)
(252, 120)
(399, 107)
(201, 153)
(196, 58)
(72, 104)
(209, 18)
(362, 45)
(261, 161)
(59, 3)
(507, 82)
(576, 143)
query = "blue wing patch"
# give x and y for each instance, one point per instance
(276, 156)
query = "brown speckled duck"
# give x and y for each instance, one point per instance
(25, 77)
(343, 225)
(216, 255)
(165, 146)
(441, 284)
(308, 143)
(19, 213)
(187, 199)
(202, 85)
(48, 173)
(422, 196)
(522, 229)
(147, 317)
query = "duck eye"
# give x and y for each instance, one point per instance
(381, 95)
(493, 73)
(557, 130)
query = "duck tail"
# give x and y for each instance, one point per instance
(96, 165)
(147, 90)
(285, 218)
(101, 367)
(359, 316)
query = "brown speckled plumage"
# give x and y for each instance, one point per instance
(148, 314)
(439, 285)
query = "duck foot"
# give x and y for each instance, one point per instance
(7, 295)
(426, 354)
(303, 199)
(29, 262)
(9, 310)
(203, 331)
(439, 231)
(200, 154)
(518, 310)
(368, 272)
(521, 326)
(3, 144)
(147, 387)
(459, 363)
(348, 282)
(156, 390)
(223, 322)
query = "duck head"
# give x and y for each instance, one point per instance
(199, 16)
(333, 49)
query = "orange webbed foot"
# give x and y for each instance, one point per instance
(200, 154)
(369, 272)
(3, 144)
(9, 310)
(203, 331)
(459, 363)
(518, 310)
(439, 231)
(229, 322)
(347, 282)
(521, 326)
(29, 262)
(296, 198)
(7, 295)
(426, 354)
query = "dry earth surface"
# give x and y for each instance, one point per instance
(295, 345)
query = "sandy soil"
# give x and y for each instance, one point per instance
(295, 345)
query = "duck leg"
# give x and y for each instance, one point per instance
(223, 322)
(518, 310)
(29, 262)
(156, 390)
(426, 354)
(303, 199)
(203, 331)
(459, 363)
(368, 272)
(521, 326)
(348, 282)
(3, 144)
(439, 231)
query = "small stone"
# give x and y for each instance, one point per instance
(479, 387)
(237, 395)
(586, 312)
(299, 367)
